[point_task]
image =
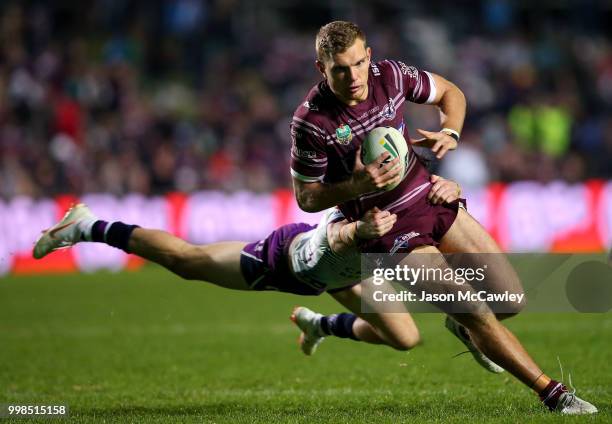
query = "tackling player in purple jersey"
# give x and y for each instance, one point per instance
(327, 130)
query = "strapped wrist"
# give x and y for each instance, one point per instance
(453, 133)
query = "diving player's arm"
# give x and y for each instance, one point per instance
(317, 196)
(443, 190)
(344, 235)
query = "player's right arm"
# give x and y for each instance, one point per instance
(316, 195)
(344, 235)
(309, 163)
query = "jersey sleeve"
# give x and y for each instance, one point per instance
(308, 153)
(417, 86)
(332, 215)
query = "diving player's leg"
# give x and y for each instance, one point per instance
(217, 263)
(396, 329)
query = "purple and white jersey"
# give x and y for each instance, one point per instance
(326, 134)
(314, 262)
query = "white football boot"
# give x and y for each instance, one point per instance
(461, 333)
(65, 233)
(570, 404)
(308, 321)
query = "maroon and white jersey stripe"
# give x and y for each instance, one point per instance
(326, 133)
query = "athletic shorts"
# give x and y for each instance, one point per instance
(264, 263)
(421, 224)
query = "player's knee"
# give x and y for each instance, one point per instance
(407, 340)
(407, 343)
(505, 310)
(511, 309)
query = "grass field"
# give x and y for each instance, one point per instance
(147, 347)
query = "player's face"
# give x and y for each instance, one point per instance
(347, 73)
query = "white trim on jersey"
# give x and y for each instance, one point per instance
(380, 117)
(252, 257)
(398, 71)
(433, 91)
(309, 162)
(335, 215)
(396, 75)
(305, 125)
(367, 122)
(405, 198)
(373, 121)
(304, 178)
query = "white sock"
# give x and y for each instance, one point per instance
(85, 227)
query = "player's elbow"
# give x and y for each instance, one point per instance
(309, 207)
(307, 203)
(458, 94)
(307, 196)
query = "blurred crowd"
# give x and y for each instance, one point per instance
(128, 96)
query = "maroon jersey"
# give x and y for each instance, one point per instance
(326, 134)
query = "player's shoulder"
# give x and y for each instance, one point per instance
(312, 114)
(313, 105)
(394, 68)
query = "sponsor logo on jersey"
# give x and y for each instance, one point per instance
(402, 242)
(408, 70)
(389, 110)
(310, 106)
(304, 154)
(401, 127)
(375, 70)
(364, 114)
(344, 134)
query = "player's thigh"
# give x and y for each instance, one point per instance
(466, 235)
(397, 327)
(474, 247)
(217, 263)
(435, 282)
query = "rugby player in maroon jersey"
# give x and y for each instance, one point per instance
(328, 127)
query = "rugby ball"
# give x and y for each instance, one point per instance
(386, 139)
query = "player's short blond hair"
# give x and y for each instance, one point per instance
(336, 37)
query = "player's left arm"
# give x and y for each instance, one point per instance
(344, 235)
(450, 100)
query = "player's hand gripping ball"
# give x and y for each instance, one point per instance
(386, 139)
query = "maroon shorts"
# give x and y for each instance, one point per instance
(421, 224)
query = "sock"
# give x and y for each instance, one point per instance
(86, 226)
(339, 325)
(116, 234)
(550, 395)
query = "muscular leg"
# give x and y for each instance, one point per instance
(487, 333)
(397, 330)
(503, 348)
(217, 263)
(466, 235)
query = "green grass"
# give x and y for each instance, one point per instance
(148, 347)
